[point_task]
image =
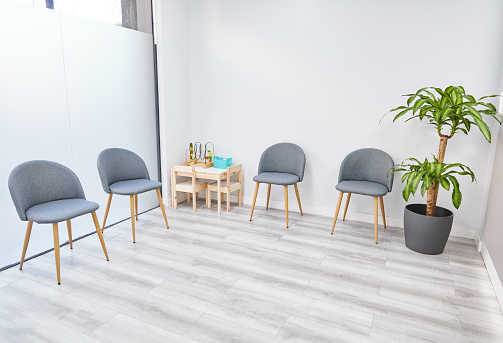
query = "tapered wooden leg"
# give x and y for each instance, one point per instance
(286, 204)
(375, 215)
(254, 199)
(56, 249)
(161, 204)
(268, 196)
(188, 198)
(341, 194)
(100, 235)
(69, 227)
(228, 201)
(382, 211)
(106, 211)
(131, 201)
(298, 198)
(194, 201)
(240, 196)
(219, 185)
(25, 245)
(346, 208)
(208, 197)
(136, 205)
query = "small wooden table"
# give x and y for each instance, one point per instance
(202, 173)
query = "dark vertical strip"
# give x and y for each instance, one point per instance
(156, 94)
(49, 4)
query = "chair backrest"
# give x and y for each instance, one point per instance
(283, 158)
(237, 169)
(367, 164)
(36, 182)
(116, 164)
(186, 170)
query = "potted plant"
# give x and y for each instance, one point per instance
(452, 110)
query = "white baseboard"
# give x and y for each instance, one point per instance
(329, 212)
(358, 216)
(493, 274)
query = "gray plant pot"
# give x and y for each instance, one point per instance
(423, 234)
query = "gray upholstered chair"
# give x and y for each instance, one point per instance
(280, 164)
(47, 192)
(123, 172)
(365, 172)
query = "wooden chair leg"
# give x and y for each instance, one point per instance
(254, 199)
(188, 198)
(346, 208)
(375, 216)
(136, 205)
(219, 195)
(382, 211)
(228, 201)
(69, 227)
(298, 199)
(161, 204)
(194, 198)
(131, 201)
(100, 235)
(25, 245)
(286, 204)
(208, 197)
(106, 211)
(240, 196)
(341, 194)
(56, 249)
(268, 196)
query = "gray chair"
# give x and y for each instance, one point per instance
(123, 172)
(365, 172)
(47, 192)
(280, 164)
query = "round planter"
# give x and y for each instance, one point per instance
(423, 234)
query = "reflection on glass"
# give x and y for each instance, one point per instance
(108, 11)
(132, 14)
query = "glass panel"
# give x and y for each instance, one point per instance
(132, 14)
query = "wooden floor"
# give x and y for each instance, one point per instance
(226, 279)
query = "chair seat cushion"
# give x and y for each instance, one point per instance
(276, 178)
(362, 187)
(132, 187)
(60, 210)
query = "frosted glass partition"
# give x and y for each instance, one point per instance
(71, 87)
(132, 14)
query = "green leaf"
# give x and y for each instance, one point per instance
(470, 98)
(483, 128)
(418, 104)
(416, 181)
(402, 113)
(456, 193)
(444, 182)
(460, 89)
(474, 112)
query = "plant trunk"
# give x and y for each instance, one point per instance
(431, 199)
(441, 148)
(433, 190)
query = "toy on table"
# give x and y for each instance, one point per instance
(198, 156)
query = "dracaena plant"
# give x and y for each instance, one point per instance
(422, 175)
(450, 110)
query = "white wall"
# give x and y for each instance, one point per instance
(173, 62)
(322, 74)
(71, 87)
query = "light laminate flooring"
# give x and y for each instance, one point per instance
(213, 278)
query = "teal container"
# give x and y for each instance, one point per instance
(221, 162)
